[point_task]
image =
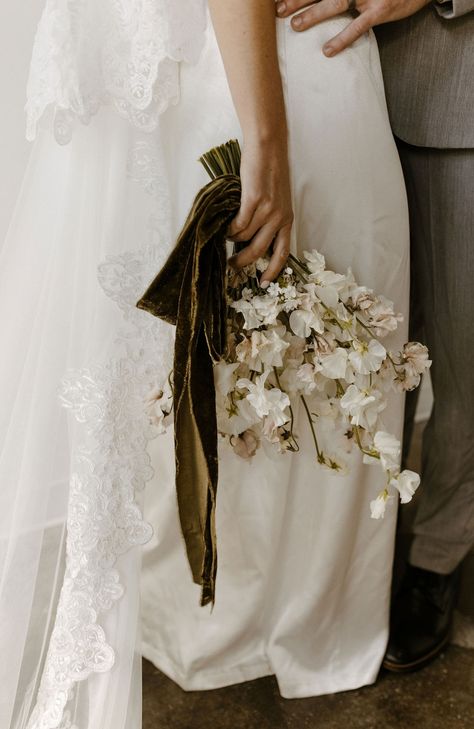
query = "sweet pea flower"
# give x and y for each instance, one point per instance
(334, 365)
(266, 401)
(389, 449)
(246, 444)
(416, 358)
(366, 358)
(379, 505)
(315, 261)
(382, 318)
(406, 484)
(158, 405)
(362, 405)
(247, 309)
(303, 322)
(224, 377)
(239, 421)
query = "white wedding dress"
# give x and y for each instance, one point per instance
(304, 573)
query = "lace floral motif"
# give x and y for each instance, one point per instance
(111, 464)
(120, 52)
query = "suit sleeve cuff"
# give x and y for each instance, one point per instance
(453, 8)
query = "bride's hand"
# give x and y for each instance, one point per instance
(265, 216)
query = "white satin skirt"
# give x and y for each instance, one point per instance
(304, 574)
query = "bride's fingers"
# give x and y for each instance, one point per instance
(256, 249)
(247, 233)
(243, 219)
(281, 251)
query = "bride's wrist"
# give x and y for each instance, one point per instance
(269, 139)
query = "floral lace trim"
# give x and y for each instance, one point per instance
(120, 52)
(111, 464)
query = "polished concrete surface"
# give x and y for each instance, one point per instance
(441, 696)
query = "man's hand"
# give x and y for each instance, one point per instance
(371, 12)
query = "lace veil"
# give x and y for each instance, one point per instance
(92, 226)
(120, 52)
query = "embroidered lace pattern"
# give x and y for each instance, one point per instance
(120, 52)
(110, 464)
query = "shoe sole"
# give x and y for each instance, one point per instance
(415, 665)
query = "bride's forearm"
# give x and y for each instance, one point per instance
(246, 33)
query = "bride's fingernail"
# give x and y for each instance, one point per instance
(281, 7)
(264, 284)
(297, 22)
(328, 50)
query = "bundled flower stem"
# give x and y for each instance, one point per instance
(311, 338)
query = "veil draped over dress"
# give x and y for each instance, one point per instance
(74, 375)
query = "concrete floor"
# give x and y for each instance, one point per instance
(441, 696)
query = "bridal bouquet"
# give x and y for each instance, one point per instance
(309, 341)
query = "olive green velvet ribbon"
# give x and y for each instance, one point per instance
(189, 292)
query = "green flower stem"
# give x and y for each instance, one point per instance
(311, 425)
(373, 453)
(292, 416)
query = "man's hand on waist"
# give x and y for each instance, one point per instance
(370, 13)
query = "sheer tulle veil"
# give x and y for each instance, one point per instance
(91, 228)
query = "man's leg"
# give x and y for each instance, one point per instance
(440, 185)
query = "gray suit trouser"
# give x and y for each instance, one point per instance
(440, 186)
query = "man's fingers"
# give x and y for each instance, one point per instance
(317, 12)
(281, 250)
(288, 7)
(257, 248)
(349, 35)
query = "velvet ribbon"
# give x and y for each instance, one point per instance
(189, 292)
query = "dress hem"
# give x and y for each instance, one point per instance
(213, 680)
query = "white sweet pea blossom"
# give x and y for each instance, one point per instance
(389, 449)
(416, 358)
(295, 352)
(406, 484)
(381, 316)
(262, 264)
(379, 505)
(363, 406)
(266, 401)
(158, 405)
(367, 357)
(362, 298)
(306, 338)
(224, 377)
(267, 308)
(306, 378)
(334, 365)
(269, 346)
(315, 261)
(247, 309)
(238, 420)
(303, 322)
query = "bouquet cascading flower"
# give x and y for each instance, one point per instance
(247, 356)
(310, 339)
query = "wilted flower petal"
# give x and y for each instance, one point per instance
(246, 444)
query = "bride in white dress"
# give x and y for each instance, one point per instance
(304, 573)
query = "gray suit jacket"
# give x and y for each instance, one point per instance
(428, 66)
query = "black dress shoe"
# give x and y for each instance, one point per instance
(421, 621)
